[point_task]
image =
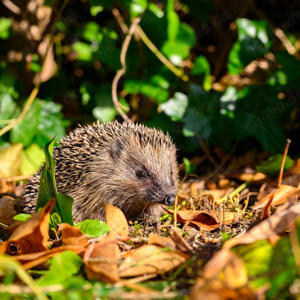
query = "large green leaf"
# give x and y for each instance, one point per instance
(62, 267)
(176, 106)
(254, 40)
(48, 190)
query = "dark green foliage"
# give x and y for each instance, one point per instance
(202, 39)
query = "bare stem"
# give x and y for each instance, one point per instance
(287, 145)
(122, 71)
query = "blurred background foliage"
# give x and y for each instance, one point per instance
(234, 77)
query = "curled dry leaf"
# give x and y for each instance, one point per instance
(117, 223)
(150, 259)
(166, 242)
(202, 219)
(101, 260)
(72, 235)
(31, 236)
(279, 196)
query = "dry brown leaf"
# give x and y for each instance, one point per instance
(32, 260)
(101, 260)
(202, 219)
(258, 176)
(72, 235)
(150, 259)
(117, 223)
(217, 290)
(217, 193)
(224, 278)
(166, 242)
(31, 236)
(7, 211)
(235, 273)
(280, 196)
(273, 225)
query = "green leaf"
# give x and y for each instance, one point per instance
(93, 228)
(91, 32)
(96, 9)
(22, 217)
(65, 204)
(62, 267)
(177, 49)
(202, 68)
(273, 164)
(104, 114)
(254, 40)
(25, 131)
(33, 159)
(176, 106)
(137, 7)
(173, 20)
(84, 51)
(196, 123)
(43, 121)
(48, 190)
(156, 88)
(5, 26)
(8, 107)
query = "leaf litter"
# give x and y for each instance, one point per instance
(208, 242)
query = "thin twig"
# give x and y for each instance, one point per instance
(287, 145)
(178, 72)
(122, 71)
(175, 211)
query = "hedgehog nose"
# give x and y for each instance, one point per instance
(169, 200)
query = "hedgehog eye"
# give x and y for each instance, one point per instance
(141, 174)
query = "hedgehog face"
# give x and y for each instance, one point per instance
(150, 170)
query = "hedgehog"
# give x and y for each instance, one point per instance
(127, 165)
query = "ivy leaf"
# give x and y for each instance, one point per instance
(93, 228)
(202, 68)
(62, 267)
(254, 40)
(273, 164)
(176, 106)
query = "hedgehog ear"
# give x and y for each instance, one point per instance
(116, 148)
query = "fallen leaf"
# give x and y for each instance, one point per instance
(117, 223)
(258, 176)
(266, 229)
(202, 219)
(166, 242)
(72, 235)
(101, 259)
(7, 210)
(150, 259)
(31, 236)
(280, 196)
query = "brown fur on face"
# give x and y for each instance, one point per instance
(128, 165)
